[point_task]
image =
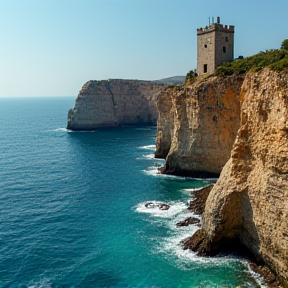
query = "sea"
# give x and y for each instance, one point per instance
(73, 213)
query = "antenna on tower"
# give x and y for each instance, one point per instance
(212, 19)
(209, 21)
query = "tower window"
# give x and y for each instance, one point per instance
(224, 49)
(226, 39)
(205, 68)
(205, 45)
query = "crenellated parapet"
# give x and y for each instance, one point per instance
(216, 27)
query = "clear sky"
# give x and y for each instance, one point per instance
(52, 47)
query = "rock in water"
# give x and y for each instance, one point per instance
(197, 204)
(188, 221)
(115, 102)
(161, 206)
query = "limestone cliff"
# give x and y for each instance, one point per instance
(197, 125)
(115, 102)
(250, 199)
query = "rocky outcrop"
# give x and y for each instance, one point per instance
(188, 221)
(115, 102)
(159, 205)
(250, 199)
(197, 203)
(197, 125)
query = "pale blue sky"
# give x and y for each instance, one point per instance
(52, 47)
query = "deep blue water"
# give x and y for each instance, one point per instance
(72, 208)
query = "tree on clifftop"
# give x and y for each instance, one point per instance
(284, 44)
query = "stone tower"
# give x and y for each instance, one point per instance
(215, 46)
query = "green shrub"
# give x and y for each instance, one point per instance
(284, 44)
(275, 59)
(191, 75)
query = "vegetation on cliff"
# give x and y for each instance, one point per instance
(284, 44)
(190, 76)
(276, 59)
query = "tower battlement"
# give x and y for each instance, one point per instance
(214, 27)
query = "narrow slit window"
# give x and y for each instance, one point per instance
(226, 39)
(205, 45)
(205, 68)
(224, 49)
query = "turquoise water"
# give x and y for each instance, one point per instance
(73, 213)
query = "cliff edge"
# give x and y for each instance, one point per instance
(115, 102)
(197, 125)
(236, 125)
(250, 199)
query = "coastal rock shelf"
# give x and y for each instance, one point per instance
(115, 102)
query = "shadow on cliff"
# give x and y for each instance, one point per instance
(248, 233)
(177, 171)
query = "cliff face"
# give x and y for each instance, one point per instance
(250, 199)
(197, 125)
(112, 103)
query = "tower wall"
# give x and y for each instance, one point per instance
(224, 39)
(205, 51)
(215, 46)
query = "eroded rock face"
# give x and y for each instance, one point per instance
(115, 102)
(250, 199)
(165, 122)
(197, 125)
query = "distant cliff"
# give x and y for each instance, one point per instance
(116, 102)
(241, 121)
(197, 125)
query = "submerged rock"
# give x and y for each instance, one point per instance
(161, 206)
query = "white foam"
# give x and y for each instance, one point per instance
(148, 147)
(149, 156)
(172, 248)
(157, 161)
(175, 209)
(154, 171)
(70, 131)
(258, 278)
(61, 130)
(193, 189)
